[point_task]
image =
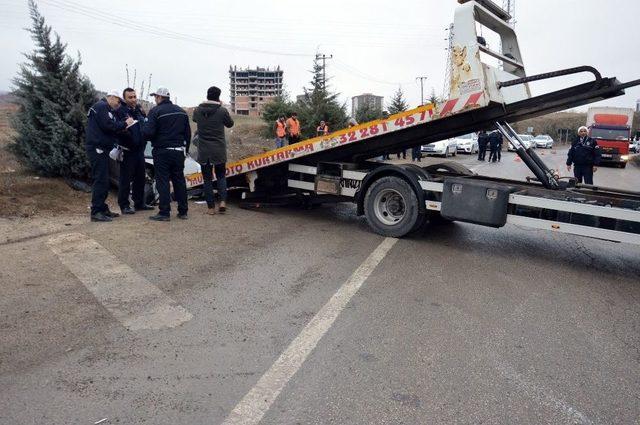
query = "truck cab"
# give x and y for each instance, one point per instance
(611, 128)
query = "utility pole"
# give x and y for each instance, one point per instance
(149, 87)
(324, 67)
(421, 89)
(126, 68)
(448, 68)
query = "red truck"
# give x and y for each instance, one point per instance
(611, 127)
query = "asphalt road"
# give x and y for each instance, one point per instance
(459, 324)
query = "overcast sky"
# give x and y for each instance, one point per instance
(376, 45)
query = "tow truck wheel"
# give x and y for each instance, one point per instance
(391, 207)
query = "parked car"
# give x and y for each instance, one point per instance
(467, 143)
(192, 175)
(543, 141)
(527, 140)
(634, 147)
(444, 148)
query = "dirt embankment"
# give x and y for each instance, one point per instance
(25, 194)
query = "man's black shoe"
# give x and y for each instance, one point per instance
(183, 216)
(159, 217)
(111, 214)
(100, 217)
(128, 210)
(144, 207)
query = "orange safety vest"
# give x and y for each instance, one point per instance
(294, 126)
(280, 131)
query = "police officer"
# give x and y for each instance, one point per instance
(495, 144)
(132, 165)
(102, 129)
(483, 141)
(167, 127)
(585, 155)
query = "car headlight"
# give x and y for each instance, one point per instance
(624, 157)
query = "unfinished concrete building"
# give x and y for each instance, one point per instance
(251, 89)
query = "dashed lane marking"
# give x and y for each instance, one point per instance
(256, 403)
(127, 295)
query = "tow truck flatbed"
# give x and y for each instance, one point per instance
(398, 199)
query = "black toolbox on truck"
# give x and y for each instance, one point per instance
(475, 201)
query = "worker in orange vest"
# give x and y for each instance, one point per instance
(280, 129)
(293, 128)
(322, 129)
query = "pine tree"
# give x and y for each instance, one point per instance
(433, 98)
(319, 105)
(53, 97)
(398, 104)
(277, 107)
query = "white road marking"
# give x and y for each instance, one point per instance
(129, 297)
(543, 395)
(259, 399)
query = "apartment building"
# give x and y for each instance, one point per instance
(251, 89)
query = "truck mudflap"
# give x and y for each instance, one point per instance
(478, 202)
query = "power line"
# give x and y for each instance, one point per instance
(364, 76)
(150, 29)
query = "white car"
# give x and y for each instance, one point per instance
(543, 141)
(443, 147)
(527, 140)
(467, 143)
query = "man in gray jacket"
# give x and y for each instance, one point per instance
(211, 118)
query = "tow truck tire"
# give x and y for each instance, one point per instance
(391, 207)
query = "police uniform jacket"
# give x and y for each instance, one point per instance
(167, 126)
(483, 140)
(212, 118)
(584, 151)
(131, 138)
(495, 140)
(102, 126)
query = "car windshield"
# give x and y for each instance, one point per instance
(541, 137)
(609, 134)
(525, 137)
(466, 136)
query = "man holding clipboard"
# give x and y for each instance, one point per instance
(132, 176)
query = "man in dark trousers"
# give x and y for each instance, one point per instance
(132, 165)
(211, 118)
(102, 128)
(585, 156)
(483, 141)
(495, 144)
(168, 129)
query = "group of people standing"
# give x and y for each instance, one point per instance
(493, 142)
(287, 130)
(117, 122)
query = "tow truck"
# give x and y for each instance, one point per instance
(399, 199)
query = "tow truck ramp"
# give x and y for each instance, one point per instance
(398, 199)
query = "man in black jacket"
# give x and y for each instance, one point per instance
(483, 141)
(211, 118)
(585, 156)
(495, 144)
(102, 129)
(132, 165)
(167, 127)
